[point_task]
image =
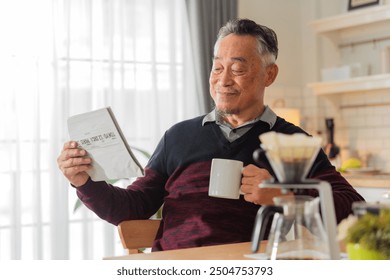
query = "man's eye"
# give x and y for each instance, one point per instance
(217, 70)
(237, 72)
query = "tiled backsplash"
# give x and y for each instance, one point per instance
(364, 126)
(362, 120)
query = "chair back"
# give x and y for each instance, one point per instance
(138, 234)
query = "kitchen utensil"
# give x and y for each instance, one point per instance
(297, 231)
(332, 149)
(291, 157)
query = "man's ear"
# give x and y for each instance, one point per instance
(271, 73)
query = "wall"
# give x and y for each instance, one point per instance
(363, 130)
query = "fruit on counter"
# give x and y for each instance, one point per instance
(351, 163)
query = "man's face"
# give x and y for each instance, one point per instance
(238, 77)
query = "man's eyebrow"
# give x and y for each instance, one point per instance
(239, 58)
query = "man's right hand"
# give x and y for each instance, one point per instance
(73, 163)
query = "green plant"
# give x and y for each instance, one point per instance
(372, 232)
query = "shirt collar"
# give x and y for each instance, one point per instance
(268, 116)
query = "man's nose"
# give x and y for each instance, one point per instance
(226, 78)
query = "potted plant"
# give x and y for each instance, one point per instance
(368, 237)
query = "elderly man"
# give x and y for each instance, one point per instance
(178, 172)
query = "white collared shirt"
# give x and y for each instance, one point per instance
(233, 133)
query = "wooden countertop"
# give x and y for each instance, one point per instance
(235, 251)
(368, 181)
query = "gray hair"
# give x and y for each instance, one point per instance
(267, 40)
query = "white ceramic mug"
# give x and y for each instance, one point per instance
(225, 178)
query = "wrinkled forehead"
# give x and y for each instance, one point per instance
(252, 46)
(238, 47)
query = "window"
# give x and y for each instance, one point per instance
(64, 57)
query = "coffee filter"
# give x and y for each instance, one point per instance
(290, 156)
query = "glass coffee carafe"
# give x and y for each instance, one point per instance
(297, 231)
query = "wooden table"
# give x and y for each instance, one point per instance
(218, 252)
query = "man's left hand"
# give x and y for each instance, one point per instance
(252, 176)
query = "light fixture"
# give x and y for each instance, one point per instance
(291, 115)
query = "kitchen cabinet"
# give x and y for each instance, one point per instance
(351, 29)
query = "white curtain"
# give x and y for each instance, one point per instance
(63, 57)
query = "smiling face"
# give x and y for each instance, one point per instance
(238, 78)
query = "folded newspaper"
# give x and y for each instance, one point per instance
(99, 134)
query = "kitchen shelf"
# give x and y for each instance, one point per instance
(336, 27)
(352, 19)
(358, 84)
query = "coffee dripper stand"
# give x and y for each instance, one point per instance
(291, 177)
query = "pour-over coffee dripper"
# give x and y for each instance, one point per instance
(291, 158)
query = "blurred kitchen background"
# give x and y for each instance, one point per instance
(149, 61)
